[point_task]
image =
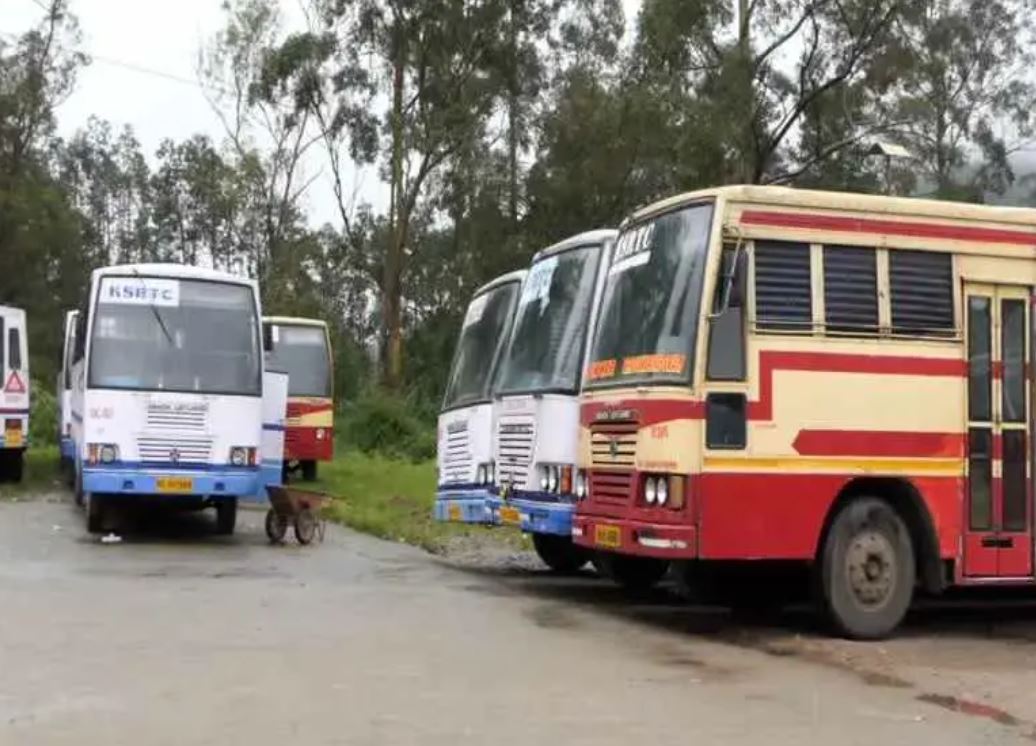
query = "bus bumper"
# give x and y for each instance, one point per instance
(532, 512)
(213, 484)
(641, 539)
(461, 505)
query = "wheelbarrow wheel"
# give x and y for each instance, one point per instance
(305, 526)
(276, 526)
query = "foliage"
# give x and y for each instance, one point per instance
(379, 422)
(43, 417)
(393, 500)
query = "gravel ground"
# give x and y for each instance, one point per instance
(175, 636)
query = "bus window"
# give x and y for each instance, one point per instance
(14, 346)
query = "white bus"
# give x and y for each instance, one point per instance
(536, 412)
(64, 400)
(14, 393)
(168, 390)
(465, 438)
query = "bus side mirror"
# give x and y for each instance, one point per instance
(267, 338)
(79, 350)
(730, 292)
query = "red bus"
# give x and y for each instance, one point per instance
(302, 349)
(831, 384)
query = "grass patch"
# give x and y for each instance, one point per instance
(41, 472)
(392, 499)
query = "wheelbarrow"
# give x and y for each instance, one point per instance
(301, 508)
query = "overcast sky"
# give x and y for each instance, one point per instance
(163, 37)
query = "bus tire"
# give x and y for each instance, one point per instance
(559, 553)
(226, 516)
(309, 470)
(634, 574)
(867, 572)
(16, 467)
(95, 510)
(77, 486)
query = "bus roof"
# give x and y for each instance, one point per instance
(780, 196)
(517, 276)
(179, 271)
(598, 236)
(294, 321)
(12, 311)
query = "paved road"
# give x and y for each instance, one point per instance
(185, 638)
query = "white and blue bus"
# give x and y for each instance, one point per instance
(64, 391)
(465, 440)
(536, 412)
(14, 393)
(167, 399)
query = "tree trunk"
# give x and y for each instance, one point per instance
(391, 306)
(513, 116)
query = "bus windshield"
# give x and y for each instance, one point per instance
(649, 310)
(550, 326)
(168, 334)
(486, 324)
(302, 352)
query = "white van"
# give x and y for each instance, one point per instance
(14, 393)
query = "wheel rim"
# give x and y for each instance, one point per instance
(870, 566)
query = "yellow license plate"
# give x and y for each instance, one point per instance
(174, 484)
(13, 438)
(454, 513)
(510, 516)
(607, 536)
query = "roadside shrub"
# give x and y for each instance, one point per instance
(379, 422)
(43, 415)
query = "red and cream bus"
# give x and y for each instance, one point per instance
(832, 382)
(302, 349)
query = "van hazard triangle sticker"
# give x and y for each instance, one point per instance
(14, 384)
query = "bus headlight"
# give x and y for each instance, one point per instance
(109, 453)
(480, 475)
(320, 433)
(650, 490)
(491, 473)
(238, 456)
(661, 490)
(581, 485)
(552, 479)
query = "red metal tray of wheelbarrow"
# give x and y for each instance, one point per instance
(299, 508)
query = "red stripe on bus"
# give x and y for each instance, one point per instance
(654, 411)
(828, 362)
(878, 443)
(811, 221)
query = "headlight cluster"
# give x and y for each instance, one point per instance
(656, 489)
(556, 479)
(486, 473)
(103, 453)
(242, 456)
(582, 485)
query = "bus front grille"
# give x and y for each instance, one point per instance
(613, 444)
(162, 416)
(174, 450)
(457, 461)
(611, 486)
(515, 439)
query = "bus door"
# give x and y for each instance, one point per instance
(998, 516)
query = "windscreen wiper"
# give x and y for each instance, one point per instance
(155, 311)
